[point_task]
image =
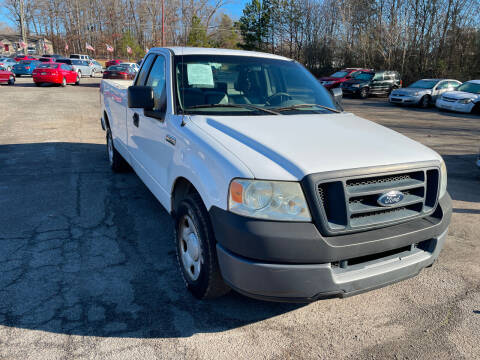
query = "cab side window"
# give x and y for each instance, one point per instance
(442, 85)
(156, 79)
(142, 76)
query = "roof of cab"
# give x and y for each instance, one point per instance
(178, 50)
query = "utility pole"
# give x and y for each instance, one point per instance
(23, 30)
(163, 23)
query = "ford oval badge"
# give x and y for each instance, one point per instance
(390, 198)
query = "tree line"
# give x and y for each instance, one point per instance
(418, 38)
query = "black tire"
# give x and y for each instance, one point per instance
(11, 81)
(209, 284)
(476, 109)
(92, 74)
(18, 75)
(77, 82)
(116, 160)
(363, 93)
(38, 84)
(64, 82)
(424, 101)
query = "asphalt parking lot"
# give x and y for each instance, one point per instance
(87, 264)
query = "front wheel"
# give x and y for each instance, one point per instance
(64, 82)
(364, 93)
(196, 249)
(476, 109)
(425, 101)
(11, 81)
(77, 82)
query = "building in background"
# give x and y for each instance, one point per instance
(35, 45)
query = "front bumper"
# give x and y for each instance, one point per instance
(454, 106)
(406, 100)
(294, 262)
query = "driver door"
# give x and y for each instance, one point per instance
(147, 129)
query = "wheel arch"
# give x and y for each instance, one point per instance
(180, 189)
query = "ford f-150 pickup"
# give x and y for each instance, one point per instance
(275, 191)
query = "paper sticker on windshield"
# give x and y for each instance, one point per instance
(200, 74)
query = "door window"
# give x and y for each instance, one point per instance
(453, 84)
(443, 85)
(378, 77)
(142, 76)
(156, 79)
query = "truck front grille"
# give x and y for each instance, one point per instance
(351, 204)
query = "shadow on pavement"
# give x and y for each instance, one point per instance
(89, 252)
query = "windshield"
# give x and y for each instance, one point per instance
(339, 74)
(424, 84)
(47, 66)
(240, 85)
(364, 76)
(470, 87)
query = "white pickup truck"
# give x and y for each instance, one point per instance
(275, 191)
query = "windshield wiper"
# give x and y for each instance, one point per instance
(297, 106)
(241, 106)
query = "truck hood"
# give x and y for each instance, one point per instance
(290, 147)
(460, 95)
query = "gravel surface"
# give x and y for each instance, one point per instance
(88, 268)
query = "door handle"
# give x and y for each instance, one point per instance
(136, 119)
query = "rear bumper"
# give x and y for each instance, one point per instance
(22, 72)
(305, 266)
(47, 79)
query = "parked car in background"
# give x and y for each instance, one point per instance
(120, 72)
(133, 66)
(7, 63)
(56, 56)
(465, 99)
(6, 76)
(24, 57)
(112, 62)
(422, 92)
(55, 73)
(47, 59)
(25, 67)
(80, 66)
(80, 57)
(96, 67)
(339, 77)
(368, 83)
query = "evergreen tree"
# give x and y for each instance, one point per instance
(198, 34)
(254, 25)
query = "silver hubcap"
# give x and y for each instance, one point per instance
(190, 249)
(110, 150)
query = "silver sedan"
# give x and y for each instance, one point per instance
(422, 92)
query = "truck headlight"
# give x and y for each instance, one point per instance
(272, 200)
(465, 101)
(443, 179)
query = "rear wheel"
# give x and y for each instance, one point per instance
(196, 249)
(117, 162)
(425, 101)
(11, 80)
(64, 82)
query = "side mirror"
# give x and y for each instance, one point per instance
(140, 97)
(337, 94)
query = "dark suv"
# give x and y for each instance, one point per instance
(372, 83)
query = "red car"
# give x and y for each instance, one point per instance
(339, 77)
(121, 72)
(55, 73)
(7, 76)
(24, 57)
(112, 62)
